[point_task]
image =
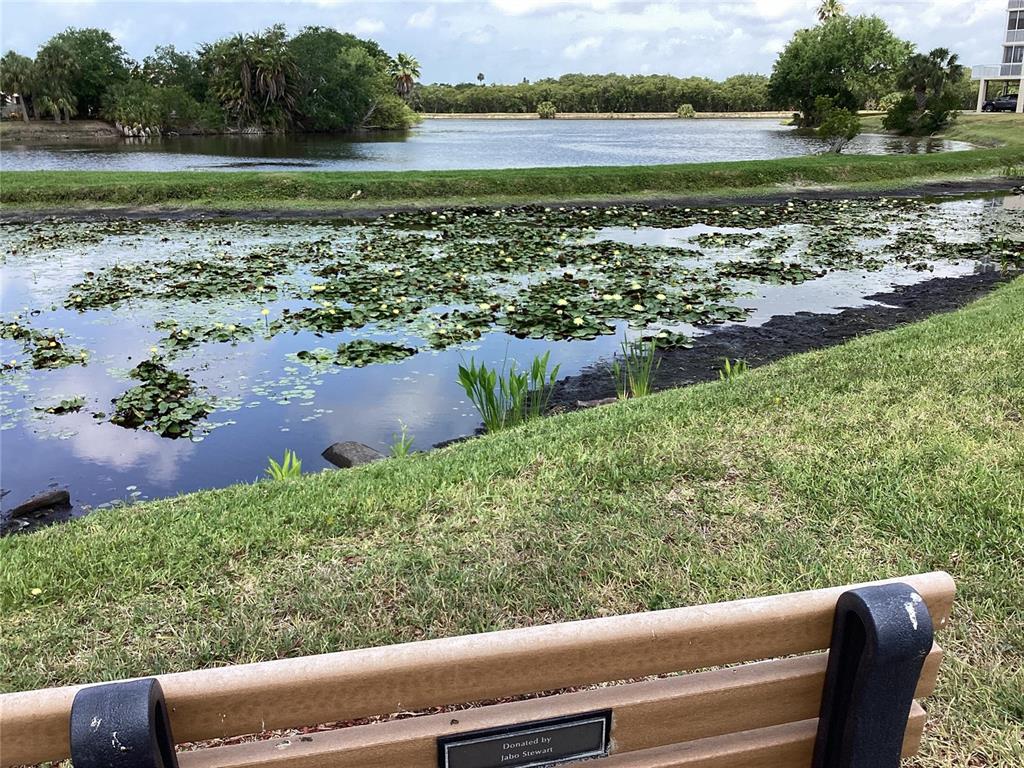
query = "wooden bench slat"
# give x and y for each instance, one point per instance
(646, 715)
(349, 685)
(780, 746)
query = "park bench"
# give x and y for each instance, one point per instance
(760, 692)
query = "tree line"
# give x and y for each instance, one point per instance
(601, 93)
(318, 80)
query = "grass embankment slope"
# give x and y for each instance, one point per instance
(367, 190)
(899, 452)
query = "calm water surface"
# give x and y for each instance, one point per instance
(267, 400)
(452, 144)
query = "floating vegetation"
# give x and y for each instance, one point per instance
(165, 402)
(71, 405)
(180, 338)
(45, 348)
(725, 239)
(190, 291)
(358, 354)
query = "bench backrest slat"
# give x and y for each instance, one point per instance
(287, 693)
(648, 715)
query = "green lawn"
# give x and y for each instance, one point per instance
(899, 452)
(340, 190)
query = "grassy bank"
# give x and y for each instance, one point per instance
(867, 460)
(1004, 134)
(249, 190)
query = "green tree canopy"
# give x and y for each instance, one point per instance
(253, 77)
(16, 74)
(169, 67)
(94, 62)
(849, 59)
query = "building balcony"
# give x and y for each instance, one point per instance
(1001, 72)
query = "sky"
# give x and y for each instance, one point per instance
(508, 40)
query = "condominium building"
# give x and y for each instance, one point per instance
(1009, 74)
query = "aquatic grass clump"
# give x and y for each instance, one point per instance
(401, 443)
(732, 369)
(290, 467)
(634, 372)
(506, 399)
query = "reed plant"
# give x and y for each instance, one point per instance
(634, 371)
(732, 369)
(507, 397)
(290, 467)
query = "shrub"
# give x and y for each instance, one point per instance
(838, 126)
(907, 118)
(392, 113)
(547, 110)
(889, 101)
(686, 111)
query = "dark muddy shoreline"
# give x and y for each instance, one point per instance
(940, 189)
(786, 335)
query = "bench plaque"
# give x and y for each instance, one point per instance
(526, 745)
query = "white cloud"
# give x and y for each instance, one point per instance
(580, 48)
(481, 36)
(773, 46)
(423, 19)
(526, 7)
(366, 26)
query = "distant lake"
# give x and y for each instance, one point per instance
(443, 144)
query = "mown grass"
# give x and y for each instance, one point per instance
(988, 130)
(899, 452)
(268, 190)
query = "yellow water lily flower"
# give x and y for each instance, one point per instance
(484, 305)
(318, 288)
(577, 321)
(264, 311)
(230, 328)
(638, 307)
(152, 350)
(562, 303)
(36, 591)
(660, 297)
(635, 286)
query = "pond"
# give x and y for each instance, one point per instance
(145, 358)
(446, 144)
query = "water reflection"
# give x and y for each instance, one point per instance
(452, 144)
(270, 402)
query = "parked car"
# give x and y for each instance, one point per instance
(1004, 103)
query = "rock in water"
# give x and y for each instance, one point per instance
(44, 500)
(350, 454)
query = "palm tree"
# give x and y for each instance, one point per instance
(924, 73)
(404, 71)
(830, 9)
(480, 77)
(254, 77)
(16, 72)
(54, 70)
